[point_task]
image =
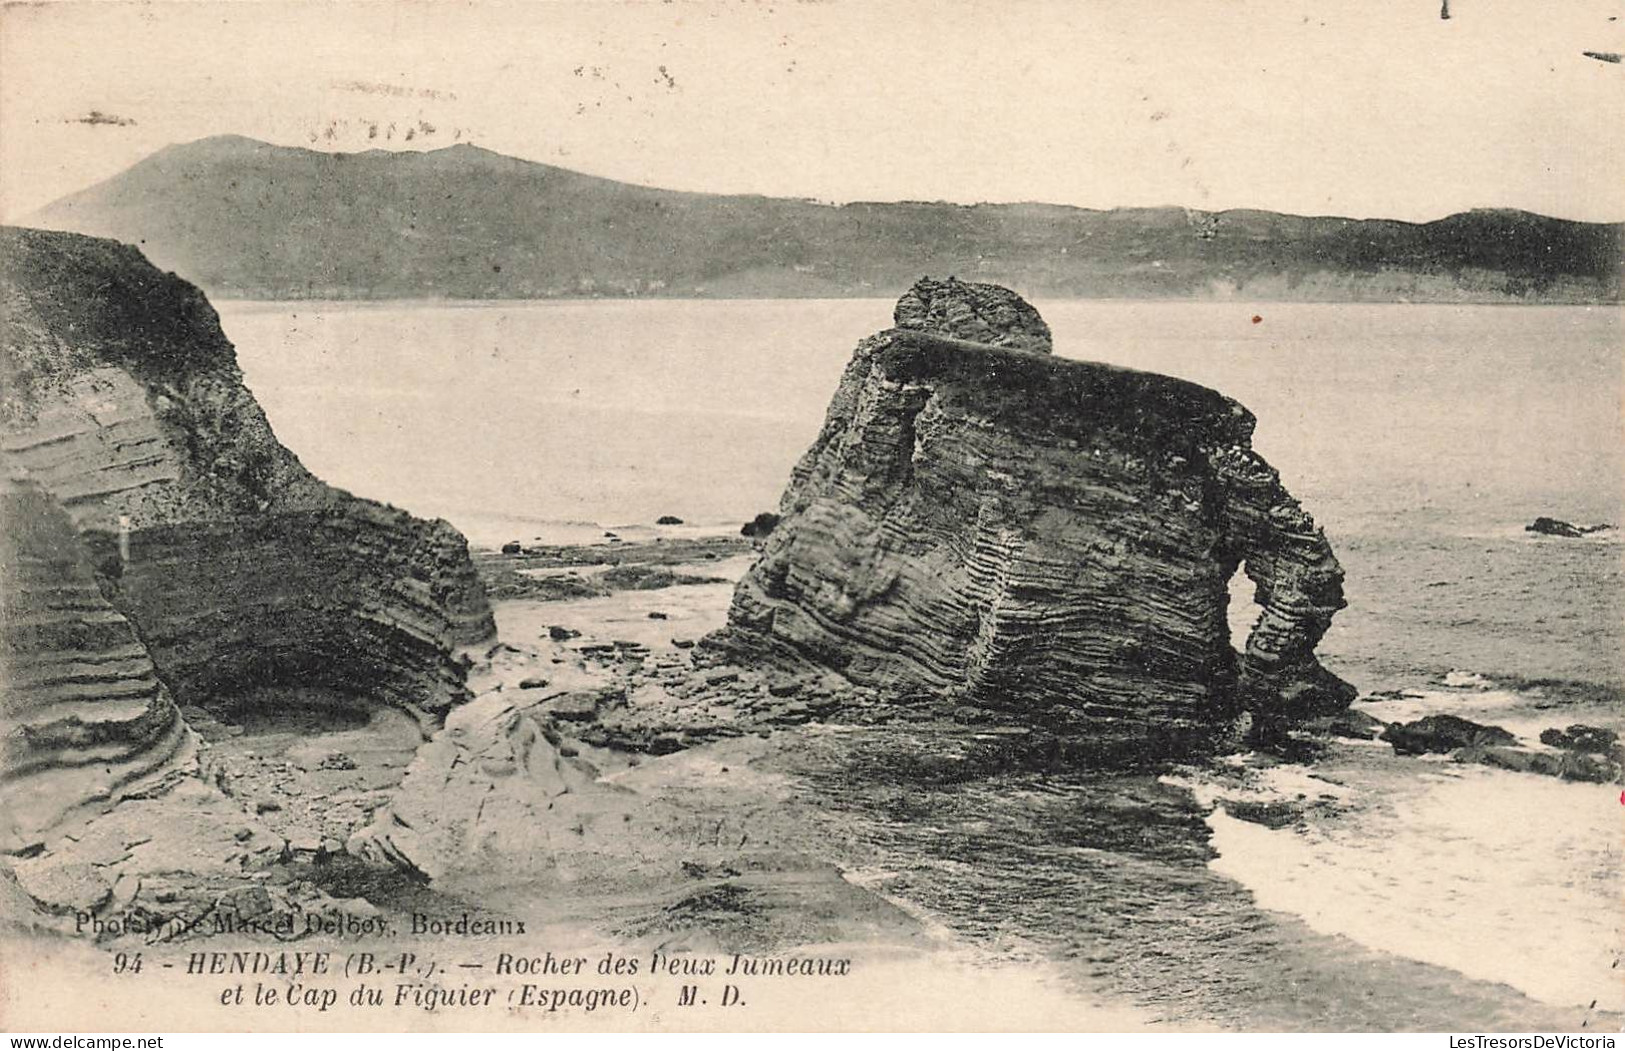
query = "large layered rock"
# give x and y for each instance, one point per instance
(153, 516)
(995, 527)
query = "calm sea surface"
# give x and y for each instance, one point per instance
(1423, 439)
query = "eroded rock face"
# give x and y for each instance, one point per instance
(1048, 539)
(86, 715)
(130, 438)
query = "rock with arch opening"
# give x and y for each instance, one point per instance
(984, 525)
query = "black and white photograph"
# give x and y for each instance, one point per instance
(895, 516)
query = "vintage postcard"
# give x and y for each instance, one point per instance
(718, 516)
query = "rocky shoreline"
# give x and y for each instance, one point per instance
(948, 705)
(642, 799)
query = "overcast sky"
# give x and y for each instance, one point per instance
(1348, 107)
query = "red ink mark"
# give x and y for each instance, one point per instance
(1257, 318)
(1622, 799)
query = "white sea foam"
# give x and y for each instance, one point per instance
(1500, 876)
(1256, 780)
(1503, 876)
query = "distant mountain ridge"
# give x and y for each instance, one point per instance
(246, 219)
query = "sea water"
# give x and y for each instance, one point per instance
(1423, 438)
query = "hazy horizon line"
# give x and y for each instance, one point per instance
(832, 202)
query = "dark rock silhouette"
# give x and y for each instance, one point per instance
(1443, 734)
(1557, 527)
(1579, 737)
(760, 526)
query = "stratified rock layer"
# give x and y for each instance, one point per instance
(87, 713)
(1049, 539)
(180, 531)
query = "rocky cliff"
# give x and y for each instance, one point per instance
(983, 524)
(155, 524)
